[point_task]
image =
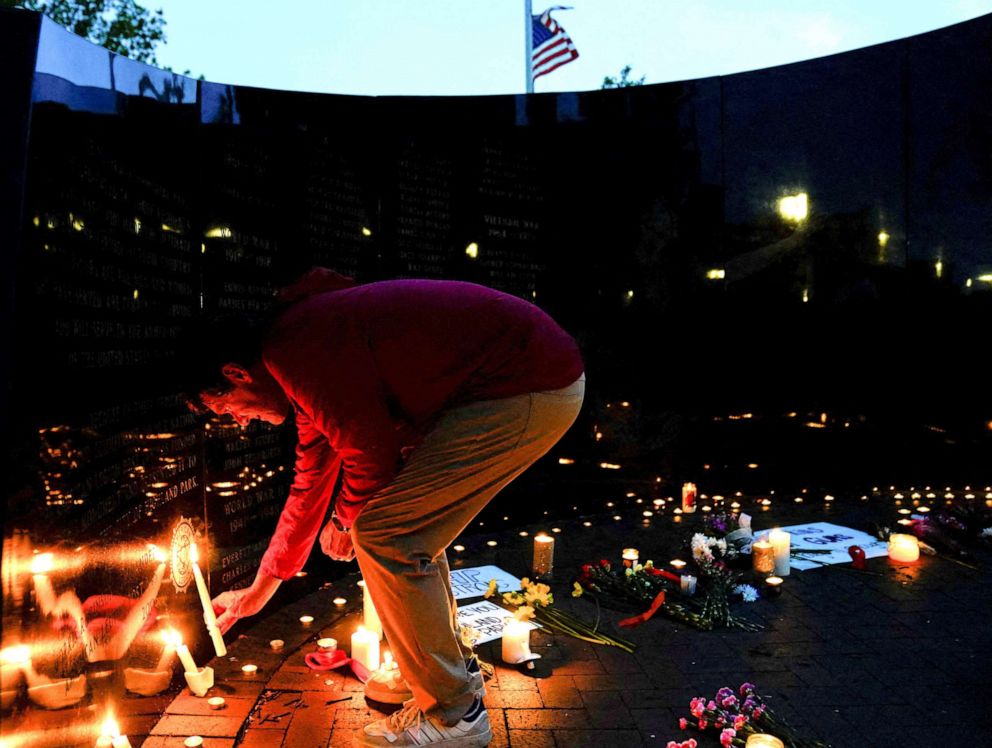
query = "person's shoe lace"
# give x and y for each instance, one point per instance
(409, 715)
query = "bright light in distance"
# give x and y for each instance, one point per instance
(883, 238)
(366, 231)
(716, 274)
(938, 268)
(472, 250)
(794, 207)
(985, 278)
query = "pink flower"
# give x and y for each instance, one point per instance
(690, 743)
(739, 721)
(729, 702)
(683, 723)
(672, 744)
(720, 721)
(758, 711)
(711, 706)
(727, 737)
(697, 706)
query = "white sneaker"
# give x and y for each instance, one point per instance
(410, 727)
(390, 687)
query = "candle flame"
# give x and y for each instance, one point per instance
(42, 563)
(110, 728)
(194, 554)
(388, 658)
(172, 637)
(157, 553)
(15, 655)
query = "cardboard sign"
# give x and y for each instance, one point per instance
(487, 618)
(473, 582)
(834, 538)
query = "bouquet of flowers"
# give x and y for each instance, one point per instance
(635, 587)
(719, 581)
(737, 715)
(535, 601)
(735, 530)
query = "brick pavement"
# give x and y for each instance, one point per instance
(882, 661)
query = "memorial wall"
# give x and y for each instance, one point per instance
(790, 267)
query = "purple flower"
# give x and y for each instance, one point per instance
(724, 693)
(747, 688)
(729, 702)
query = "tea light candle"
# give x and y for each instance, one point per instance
(544, 554)
(773, 586)
(365, 648)
(630, 557)
(781, 545)
(339, 602)
(903, 548)
(277, 645)
(306, 621)
(249, 669)
(111, 737)
(677, 563)
(763, 740)
(327, 644)
(516, 642)
(688, 497)
(216, 702)
(688, 584)
(762, 557)
(193, 741)
(369, 614)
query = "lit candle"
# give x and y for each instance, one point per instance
(306, 621)
(182, 650)
(688, 497)
(781, 545)
(209, 617)
(773, 586)
(365, 648)
(168, 652)
(216, 702)
(277, 645)
(763, 557)
(630, 557)
(193, 741)
(369, 614)
(387, 661)
(763, 740)
(544, 554)
(327, 644)
(688, 584)
(677, 563)
(249, 669)
(41, 565)
(903, 548)
(12, 663)
(110, 736)
(339, 602)
(516, 642)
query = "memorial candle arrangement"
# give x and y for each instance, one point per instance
(544, 554)
(782, 547)
(209, 618)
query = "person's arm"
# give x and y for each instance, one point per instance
(317, 467)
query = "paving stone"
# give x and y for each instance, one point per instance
(182, 724)
(560, 692)
(597, 738)
(186, 703)
(499, 699)
(160, 741)
(254, 738)
(546, 719)
(497, 721)
(612, 682)
(532, 739)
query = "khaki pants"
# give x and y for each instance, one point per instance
(471, 453)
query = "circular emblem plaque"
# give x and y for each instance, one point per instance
(183, 536)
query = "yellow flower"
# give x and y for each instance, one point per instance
(491, 590)
(524, 613)
(576, 590)
(524, 583)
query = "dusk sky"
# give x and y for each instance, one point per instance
(458, 47)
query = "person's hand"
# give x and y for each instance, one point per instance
(235, 604)
(336, 542)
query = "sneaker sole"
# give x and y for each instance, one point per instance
(399, 697)
(466, 741)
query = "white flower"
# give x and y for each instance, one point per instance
(746, 591)
(986, 533)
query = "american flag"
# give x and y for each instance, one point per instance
(552, 47)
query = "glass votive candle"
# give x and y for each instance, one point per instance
(249, 669)
(327, 644)
(306, 621)
(688, 584)
(277, 645)
(544, 554)
(773, 586)
(762, 557)
(630, 557)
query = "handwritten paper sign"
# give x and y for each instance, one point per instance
(486, 618)
(473, 582)
(834, 538)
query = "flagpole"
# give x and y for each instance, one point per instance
(529, 45)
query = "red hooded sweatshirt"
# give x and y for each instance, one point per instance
(369, 368)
